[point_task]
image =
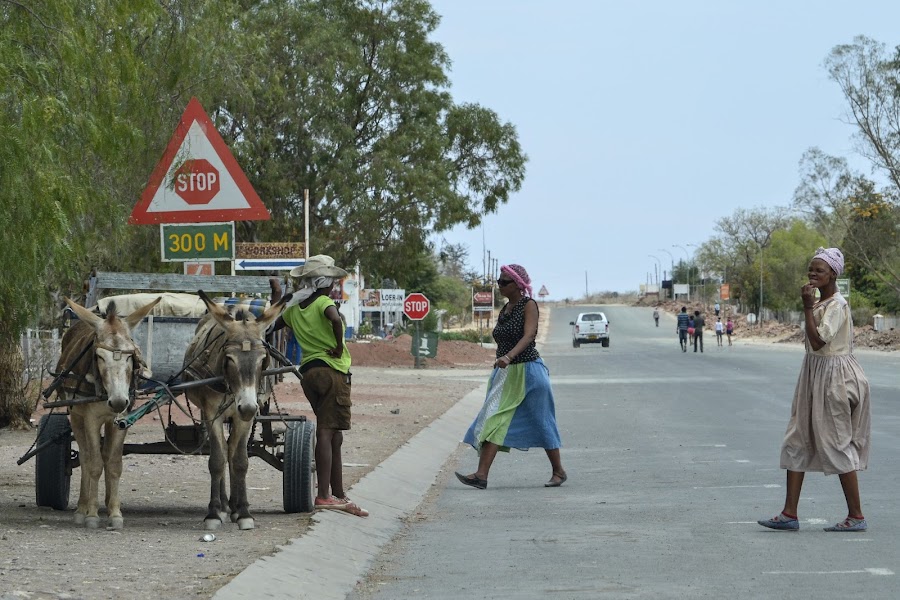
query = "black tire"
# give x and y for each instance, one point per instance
(605, 343)
(52, 477)
(299, 476)
(575, 343)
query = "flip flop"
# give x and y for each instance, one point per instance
(354, 509)
(562, 480)
(475, 482)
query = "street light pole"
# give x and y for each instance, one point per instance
(672, 272)
(658, 267)
(760, 285)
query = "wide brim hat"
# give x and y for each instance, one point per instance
(319, 265)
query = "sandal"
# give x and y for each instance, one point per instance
(472, 480)
(331, 502)
(562, 480)
(354, 509)
(849, 524)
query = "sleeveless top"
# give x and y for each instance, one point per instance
(510, 329)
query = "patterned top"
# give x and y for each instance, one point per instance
(510, 329)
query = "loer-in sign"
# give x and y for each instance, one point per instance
(416, 306)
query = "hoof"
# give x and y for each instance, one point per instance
(79, 519)
(92, 522)
(212, 524)
(245, 523)
(116, 522)
(223, 516)
(234, 517)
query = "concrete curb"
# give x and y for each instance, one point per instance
(336, 553)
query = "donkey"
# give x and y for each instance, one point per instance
(109, 360)
(231, 347)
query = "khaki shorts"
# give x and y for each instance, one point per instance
(328, 392)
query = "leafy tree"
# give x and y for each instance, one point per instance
(86, 85)
(787, 261)
(847, 208)
(356, 109)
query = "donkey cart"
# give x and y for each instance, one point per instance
(284, 441)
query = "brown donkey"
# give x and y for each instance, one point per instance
(231, 347)
(106, 369)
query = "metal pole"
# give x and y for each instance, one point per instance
(672, 271)
(687, 259)
(760, 285)
(306, 223)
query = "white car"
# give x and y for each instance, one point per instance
(590, 328)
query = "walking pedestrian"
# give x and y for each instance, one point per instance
(729, 329)
(716, 308)
(656, 315)
(830, 422)
(719, 330)
(325, 365)
(690, 330)
(681, 328)
(699, 323)
(518, 411)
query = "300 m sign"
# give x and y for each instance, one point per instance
(202, 241)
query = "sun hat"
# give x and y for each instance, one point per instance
(320, 265)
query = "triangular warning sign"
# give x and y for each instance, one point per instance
(543, 291)
(197, 180)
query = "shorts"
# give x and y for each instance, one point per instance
(328, 392)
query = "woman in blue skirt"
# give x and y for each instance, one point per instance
(518, 411)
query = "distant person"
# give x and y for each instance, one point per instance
(656, 315)
(518, 410)
(681, 328)
(729, 329)
(716, 308)
(690, 329)
(720, 329)
(829, 430)
(699, 323)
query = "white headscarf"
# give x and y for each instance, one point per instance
(307, 287)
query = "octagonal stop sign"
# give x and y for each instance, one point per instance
(416, 306)
(197, 181)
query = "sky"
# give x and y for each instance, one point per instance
(647, 122)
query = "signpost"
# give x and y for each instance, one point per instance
(267, 264)
(416, 307)
(201, 241)
(197, 180)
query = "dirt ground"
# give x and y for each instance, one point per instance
(43, 554)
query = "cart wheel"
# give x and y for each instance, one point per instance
(51, 474)
(299, 477)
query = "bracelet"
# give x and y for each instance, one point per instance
(508, 359)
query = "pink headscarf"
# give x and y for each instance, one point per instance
(833, 257)
(520, 276)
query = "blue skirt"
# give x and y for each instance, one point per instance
(518, 410)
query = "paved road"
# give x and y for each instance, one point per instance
(671, 457)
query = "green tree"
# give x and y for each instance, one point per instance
(354, 107)
(85, 88)
(787, 260)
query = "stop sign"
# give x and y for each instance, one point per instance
(197, 181)
(416, 306)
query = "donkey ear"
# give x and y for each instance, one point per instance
(135, 318)
(273, 312)
(84, 314)
(217, 312)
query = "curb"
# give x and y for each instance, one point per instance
(337, 552)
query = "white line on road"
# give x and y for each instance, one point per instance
(732, 487)
(872, 571)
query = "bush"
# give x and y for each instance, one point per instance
(467, 335)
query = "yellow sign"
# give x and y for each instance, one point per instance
(269, 250)
(200, 241)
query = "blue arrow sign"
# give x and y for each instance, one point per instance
(265, 264)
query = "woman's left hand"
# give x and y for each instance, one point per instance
(336, 352)
(502, 362)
